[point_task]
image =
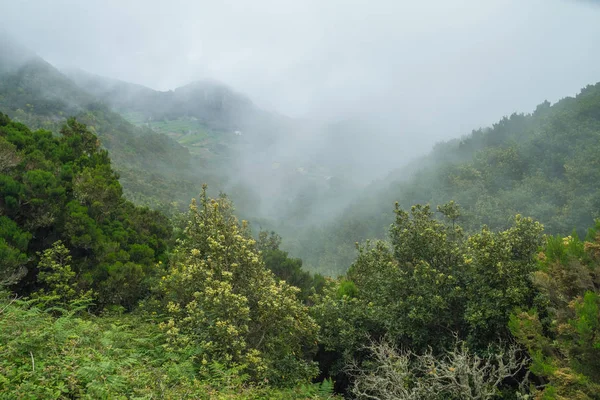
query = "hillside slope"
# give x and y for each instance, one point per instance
(206, 116)
(154, 168)
(276, 168)
(545, 165)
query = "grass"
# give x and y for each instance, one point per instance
(65, 354)
(188, 132)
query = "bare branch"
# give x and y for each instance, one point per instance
(458, 374)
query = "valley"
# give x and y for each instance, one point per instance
(367, 204)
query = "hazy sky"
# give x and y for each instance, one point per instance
(431, 68)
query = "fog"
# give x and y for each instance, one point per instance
(400, 75)
(438, 67)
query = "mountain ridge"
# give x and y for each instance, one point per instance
(542, 164)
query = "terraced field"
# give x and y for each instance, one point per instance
(189, 132)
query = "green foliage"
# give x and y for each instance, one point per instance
(65, 220)
(431, 283)
(63, 189)
(13, 248)
(543, 165)
(347, 289)
(499, 266)
(58, 279)
(46, 357)
(220, 296)
(562, 335)
(287, 268)
(155, 169)
(228, 317)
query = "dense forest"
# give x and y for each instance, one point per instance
(106, 299)
(126, 271)
(542, 165)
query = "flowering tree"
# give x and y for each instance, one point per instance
(221, 297)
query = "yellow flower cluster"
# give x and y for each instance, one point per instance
(224, 298)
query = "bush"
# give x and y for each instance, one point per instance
(457, 374)
(219, 296)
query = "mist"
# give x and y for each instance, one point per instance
(359, 88)
(424, 60)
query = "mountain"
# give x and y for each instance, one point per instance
(198, 114)
(543, 164)
(165, 145)
(298, 177)
(152, 165)
(213, 103)
(30, 84)
(275, 167)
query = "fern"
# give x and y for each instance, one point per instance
(326, 388)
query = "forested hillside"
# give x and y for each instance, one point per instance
(154, 168)
(275, 167)
(76, 255)
(104, 299)
(62, 191)
(543, 165)
(472, 272)
(165, 145)
(214, 104)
